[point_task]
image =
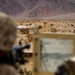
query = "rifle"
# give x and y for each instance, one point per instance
(15, 55)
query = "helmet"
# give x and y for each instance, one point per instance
(7, 32)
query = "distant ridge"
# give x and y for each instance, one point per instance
(37, 9)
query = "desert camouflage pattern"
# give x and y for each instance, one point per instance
(7, 70)
(7, 32)
(7, 39)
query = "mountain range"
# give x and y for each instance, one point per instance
(35, 9)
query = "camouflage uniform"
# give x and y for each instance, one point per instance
(7, 32)
(7, 70)
(7, 39)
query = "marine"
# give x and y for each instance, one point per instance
(7, 39)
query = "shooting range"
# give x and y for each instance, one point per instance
(52, 50)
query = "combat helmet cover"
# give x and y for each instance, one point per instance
(7, 32)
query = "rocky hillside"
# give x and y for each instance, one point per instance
(23, 9)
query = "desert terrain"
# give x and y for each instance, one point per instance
(56, 26)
